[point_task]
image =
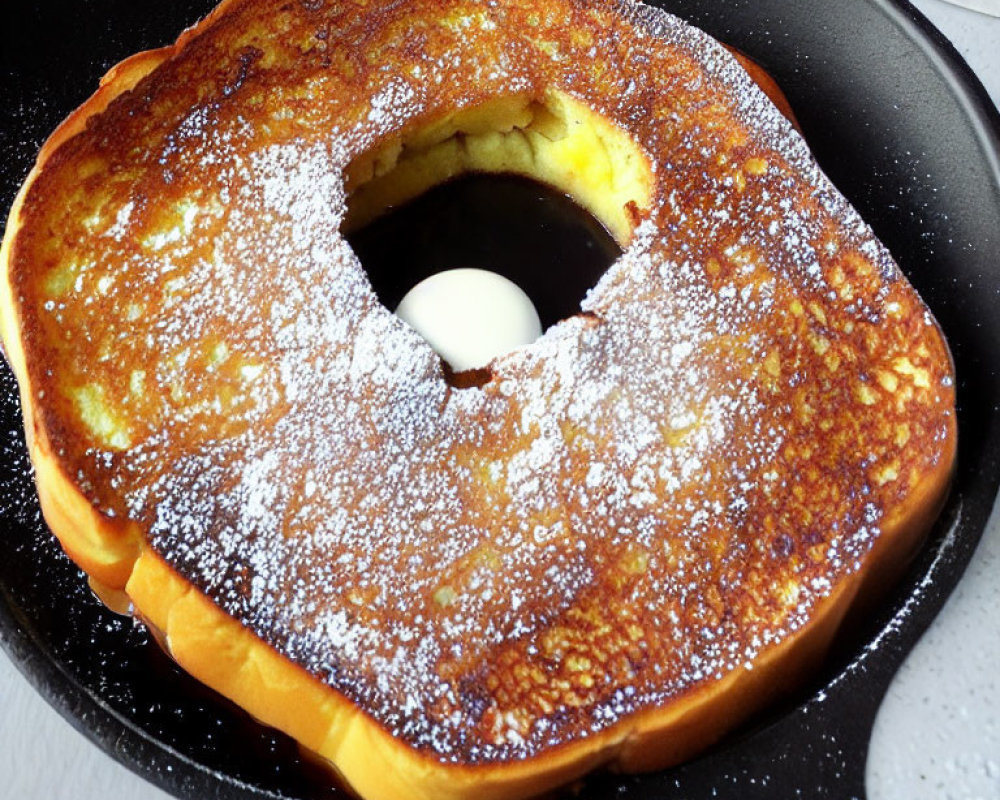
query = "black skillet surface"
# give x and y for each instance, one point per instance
(901, 126)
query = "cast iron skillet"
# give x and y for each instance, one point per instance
(901, 126)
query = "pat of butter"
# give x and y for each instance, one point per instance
(470, 316)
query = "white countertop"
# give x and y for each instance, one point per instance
(937, 734)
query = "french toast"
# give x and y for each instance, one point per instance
(609, 553)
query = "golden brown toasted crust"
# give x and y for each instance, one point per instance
(813, 461)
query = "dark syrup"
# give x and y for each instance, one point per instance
(531, 234)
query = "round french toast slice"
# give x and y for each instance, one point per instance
(630, 537)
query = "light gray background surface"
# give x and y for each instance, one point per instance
(937, 735)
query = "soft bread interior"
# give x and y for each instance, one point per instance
(556, 140)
